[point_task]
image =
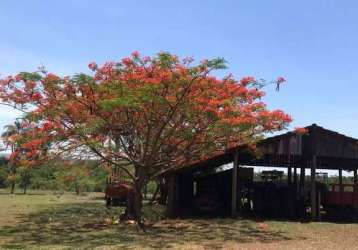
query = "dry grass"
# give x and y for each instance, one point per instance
(43, 220)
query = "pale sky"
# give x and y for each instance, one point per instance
(313, 44)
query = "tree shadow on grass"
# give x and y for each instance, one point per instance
(22, 194)
(213, 233)
(82, 225)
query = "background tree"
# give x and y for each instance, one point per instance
(9, 137)
(75, 176)
(143, 115)
(4, 171)
(27, 151)
(24, 176)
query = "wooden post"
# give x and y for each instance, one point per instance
(313, 188)
(340, 188)
(302, 181)
(295, 184)
(319, 206)
(300, 193)
(302, 176)
(188, 195)
(289, 170)
(355, 180)
(295, 176)
(355, 187)
(171, 210)
(234, 185)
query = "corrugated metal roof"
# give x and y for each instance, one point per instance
(333, 151)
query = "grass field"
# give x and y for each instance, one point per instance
(44, 220)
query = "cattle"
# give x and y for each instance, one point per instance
(118, 193)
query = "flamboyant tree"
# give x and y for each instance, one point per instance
(143, 115)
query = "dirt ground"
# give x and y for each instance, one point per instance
(46, 220)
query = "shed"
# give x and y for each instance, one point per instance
(319, 148)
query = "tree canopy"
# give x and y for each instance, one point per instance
(149, 114)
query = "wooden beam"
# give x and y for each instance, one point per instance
(302, 181)
(355, 187)
(295, 176)
(289, 175)
(302, 176)
(313, 188)
(171, 211)
(319, 206)
(289, 170)
(340, 187)
(295, 182)
(355, 180)
(234, 185)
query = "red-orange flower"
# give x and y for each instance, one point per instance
(280, 79)
(246, 80)
(93, 66)
(135, 54)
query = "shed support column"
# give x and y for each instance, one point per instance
(300, 194)
(295, 177)
(295, 183)
(340, 179)
(289, 170)
(313, 188)
(340, 187)
(289, 175)
(355, 188)
(171, 203)
(302, 177)
(234, 185)
(319, 205)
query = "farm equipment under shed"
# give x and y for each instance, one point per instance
(212, 192)
(341, 200)
(272, 197)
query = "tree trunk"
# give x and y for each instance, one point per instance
(135, 199)
(77, 189)
(155, 194)
(138, 196)
(12, 187)
(13, 172)
(163, 192)
(26, 181)
(138, 203)
(145, 191)
(25, 187)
